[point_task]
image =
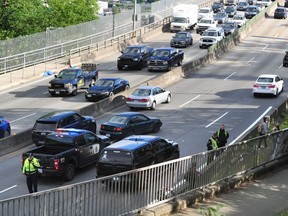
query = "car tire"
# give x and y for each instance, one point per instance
(132, 108)
(168, 67)
(127, 87)
(277, 93)
(74, 91)
(140, 65)
(119, 67)
(186, 45)
(175, 155)
(69, 172)
(111, 94)
(153, 106)
(168, 100)
(52, 94)
(156, 128)
(92, 82)
(255, 94)
(6, 133)
(150, 70)
(179, 62)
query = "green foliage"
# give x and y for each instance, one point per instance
(282, 212)
(24, 17)
(284, 124)
(210, 211)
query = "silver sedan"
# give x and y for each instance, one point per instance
(148, 97)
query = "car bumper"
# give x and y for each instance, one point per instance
(95, 97)
(139, 105)
(178, 44)
(205, 45)
(60, 91)
(130, 64)
(158, 67)
(264, 91)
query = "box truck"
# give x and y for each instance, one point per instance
(184, 17)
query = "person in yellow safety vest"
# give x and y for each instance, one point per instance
(222, 136)
(212, 144)
(30, 169)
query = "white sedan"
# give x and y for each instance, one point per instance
(268, 84)
(148, 97)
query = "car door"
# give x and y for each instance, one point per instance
(143, 156)
(279, 83)
(140, 124)
(93, 147)
(162, 150)
(76, 121)
(80, 79)
(84, 150)
(118, 86)
(145, 54)
(160, 95)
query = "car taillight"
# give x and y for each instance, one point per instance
(256, 86)
(144, 100)
(118, 129)
(102, 127)
(272, 86)
(56, 164)
(129, 99)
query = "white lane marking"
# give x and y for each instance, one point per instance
(251, 126)
(251, 60)
(22, 118)
(216, 120)
(46, 92)
(8, 189)
(280, 66)
(25, 85)
(230, 76)
(114, 67)
(189, 101)
(265, 47)
(276, 35)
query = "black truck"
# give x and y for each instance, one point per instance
(134, 57)
(65, 150)
(70, 80)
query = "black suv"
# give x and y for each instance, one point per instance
(60, 119)
(134, 57)
(181, 39)
(217, 7)
(285, 59)
(135, 152)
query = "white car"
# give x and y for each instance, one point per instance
(268, 84)
(205, 12)
(266, 2)
(148, 97)
(239, 19)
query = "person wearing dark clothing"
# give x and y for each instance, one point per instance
(30, 169)
(212, 144)
(222, 136)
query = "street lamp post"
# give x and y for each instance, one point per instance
(134, 15)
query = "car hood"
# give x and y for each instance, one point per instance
(95, 89)
(162, 58)
(227, 28)
(62, 81)
(178, 39)
(219, 18)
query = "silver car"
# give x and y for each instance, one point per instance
(148, 97)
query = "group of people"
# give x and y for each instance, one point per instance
(219, 139)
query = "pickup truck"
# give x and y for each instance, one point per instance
(163, 59)
(134, 57)
(65, 150)
(70, 80)
(204, 24)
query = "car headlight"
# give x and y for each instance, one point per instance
(68, 85)
(165, 62)
(135, 59)
(119, 59)
(105, 93)
(148, 62)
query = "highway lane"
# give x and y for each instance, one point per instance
(219, 93)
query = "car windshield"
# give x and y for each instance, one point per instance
(209, 33)
(205, 21)
(228, 25)
(161, 53)
(180, 36)
(242, 4)
(229, 9)
(265, 79)
(142, 92)
(280, 10)
(47, 126)
(251, 9)
(116, 156)
(179, 20)
(220, 15)
(67, 74)
(237, 18)
(204, 11)
(118, 120)
(103, 82)
(132, 50)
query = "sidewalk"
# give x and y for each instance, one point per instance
(265, 196)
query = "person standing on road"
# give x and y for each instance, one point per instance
(222, 136)
(30, 169)
(212, 145)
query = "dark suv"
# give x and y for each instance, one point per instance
(134, 57)
(182, 39)
(61, 119)
(285, 59)
(135, 152)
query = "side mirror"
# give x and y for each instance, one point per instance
(55, 76)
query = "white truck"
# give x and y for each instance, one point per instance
(184, 17)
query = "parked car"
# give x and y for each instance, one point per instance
(280, 13)
(181, 39)
(239, 19)
(229, 27)
(221, 17)
(148, 97)
(217, 7)
(125, 124)
(285, 59)
(268, 84)
(5, 128)
(251, 11)
(205, 12)
(231, 10)
(135, 56)
(60, 119)
(106, 87)
(135, 152)
(242, 6)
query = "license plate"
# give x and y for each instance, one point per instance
(108, 135)
(263, 87)
(125, 65)
(40, 170)
(43, 133)
(57, 92)
(88, 95)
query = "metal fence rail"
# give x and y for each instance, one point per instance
(125, 193)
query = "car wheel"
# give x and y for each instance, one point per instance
(156, 129)
(175, 155)
(52, 94)
(168, 100)
(127, 87)
(111, 94)
(191, 43)
(132, 108)
(179, 62)
(74, 91)
(153, 106)
(119, 67)
(92, 82)
(200, 47)
(186, 45)
(6, 133)
(277, 93)
(168, 67)
(150, 70)
(255, 94)
(140, 65)
(69, 172)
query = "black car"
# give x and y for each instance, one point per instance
(60, 119)
(135, 152)
(280, 13)
(242, 6)
(285, 59)
(286, 3)
(106, 87)
(181, 39)
(221, 17)
(251, 11)
(134, 57)
(128, 123)
(231, 10)
(229, 27)
(217, 7)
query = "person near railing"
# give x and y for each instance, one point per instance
(212, 144)
(222, 137)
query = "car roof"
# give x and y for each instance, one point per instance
(132, 142)
(165, 48)
(147, 87)
(69, 131)
(128, 114)
(182, 32)
(141, 45)
(214, 29)
(56, 116)
(268, 75)
(112, 78)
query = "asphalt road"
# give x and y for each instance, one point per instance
(219, 93)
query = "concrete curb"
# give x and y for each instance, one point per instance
(225, 185)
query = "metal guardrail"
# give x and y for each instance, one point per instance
(126, 193)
